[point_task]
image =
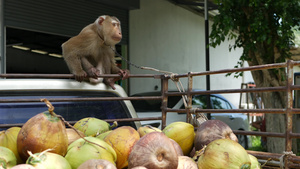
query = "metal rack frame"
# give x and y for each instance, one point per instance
(290, 161)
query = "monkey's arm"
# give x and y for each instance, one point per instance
(74, 64)
(74, 50)
(116, 70)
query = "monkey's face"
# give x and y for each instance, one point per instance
(111, 30)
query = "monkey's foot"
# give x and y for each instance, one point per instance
(110, 82)
(93, 73)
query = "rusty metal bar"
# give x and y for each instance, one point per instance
(250, 68)
(259, 133)
(189, 98)
(289, 115)
(164, 103)
(107, 120)
(71, 76)
(277, 111)
(266, 134)
(249, 90)
(273, 156)
(81, 99)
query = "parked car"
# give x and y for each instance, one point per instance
(20, 112)
(152, 108)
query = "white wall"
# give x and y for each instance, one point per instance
(171, 38)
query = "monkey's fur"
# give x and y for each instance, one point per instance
(91, 52)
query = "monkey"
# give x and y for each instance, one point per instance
(92, 52)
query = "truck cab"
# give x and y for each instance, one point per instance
(19, 101)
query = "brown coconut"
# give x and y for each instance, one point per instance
(211, 130)
(153, 151)
(42, 132)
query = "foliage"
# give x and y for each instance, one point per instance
(256, 144)
(257, 25)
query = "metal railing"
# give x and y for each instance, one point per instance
(289, 161)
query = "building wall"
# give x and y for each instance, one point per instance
(170, 38)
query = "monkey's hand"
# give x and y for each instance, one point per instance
(80, 76)
(93, 73)
(124, 74)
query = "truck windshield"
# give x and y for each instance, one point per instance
(12, 113)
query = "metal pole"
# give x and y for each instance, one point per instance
(289, 115)
(207, 55)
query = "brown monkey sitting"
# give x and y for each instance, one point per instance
(91, 52)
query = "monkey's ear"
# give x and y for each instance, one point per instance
(101, 19)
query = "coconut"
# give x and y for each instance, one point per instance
(47, 160)
(122, 140)
(103, 135)
(224, 154)
(74, 135)
(139, 167)
(7, 158)
(177, 147)
(211, 130)
(42, 132)
(23, 166)
(147, 129)
(183, 133)
(88, 148)
(8, 139)
(254, 162)
(97, 164)
(92, 126)
(153, 151)
(185, 162)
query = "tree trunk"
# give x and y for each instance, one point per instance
(275, 100)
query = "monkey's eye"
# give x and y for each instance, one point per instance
(114, 24)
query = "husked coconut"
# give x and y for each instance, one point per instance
(185, 162)
(23, 166)
(153, 151)
(211, 130)
(97, 164)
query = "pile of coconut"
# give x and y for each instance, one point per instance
(44, 142)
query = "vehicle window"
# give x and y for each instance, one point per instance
(146, 105)
(218, 103)
(200, 101)
(153, 105)
(11, 113)
(173, 100)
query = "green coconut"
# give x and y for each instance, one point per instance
(88, 148)
(224, 154)
(183, 133)
(92, 126)
(254, 162)
(8, 139)
(7, 158)
(147, 129)
(47, 160)
(103, 135)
